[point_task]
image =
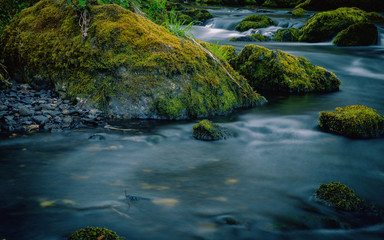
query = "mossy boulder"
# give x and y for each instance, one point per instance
(280, 71)
(253, 22)
(326, 25)
(258, 37)
(280, 3)
(359, 34)
(188, 14)
(206, 130)
(323, 5)
(355, 121)
(375, 17)
(286, 35)
(298, 12)
(127, 66)
(94, 233)
(339, 195)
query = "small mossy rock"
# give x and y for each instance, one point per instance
(339, 195)
(258, 37)
(359, 34)
(253, 22)
(326, 25)
(324, 5)
(205, 130)
(188, 14)
(283, 72)
(94, 233)
(355, 121)
(286, 35)
(280, 3)
(298, 12)
(374, 17)
(127, 66)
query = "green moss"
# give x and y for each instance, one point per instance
(286, 35)
(94, 233)
(339, 195)
(298, 12)
(375, 17)
(207, 131)
(360, 34)
(254, 21)
(280, 3)
(259, 37)
(127, 65)
(326, 25)
(355, 121)
(279, 71)
(323, 5)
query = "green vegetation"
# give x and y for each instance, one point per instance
(280, 3)
(127, 65)
(326, 25)
(323, 5)
(254, 21)
(279, 71)
(355, 121)
(286, 35)
(176, 26)
(339, 195)
(94, 233)
(229, 2)
(207, 131)
(360, 34)
(298, 12)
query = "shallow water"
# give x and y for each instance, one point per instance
(257, 185)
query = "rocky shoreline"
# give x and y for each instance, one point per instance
(26, 110)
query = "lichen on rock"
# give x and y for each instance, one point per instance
(279, 71)
(127, 66)
(253, 22)
(339, 195)
(324, 26)
(355, 121)
(206, 130)
(359, 34)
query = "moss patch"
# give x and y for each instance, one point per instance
(127, 66)
(189, 14)
(323, 5)
(360, 34)
(355, 121)
(94, 233)
(207, 131)
(339, 195)
(279, 71)
(326, 25)
(280, 3)
(254, 21)
(298, 12)
(286, 35)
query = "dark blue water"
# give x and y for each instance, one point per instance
(257, 185)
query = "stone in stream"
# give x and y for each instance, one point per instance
(26, 111)
(41, 120)
(208, 131)
(359, 34)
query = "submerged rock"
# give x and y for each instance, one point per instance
(286, 35)
(207, 131)
(94, 233)
(359, 34)
(326, 25)
(127, 65)
(280, 71)
(253, 22)
(322, 5)
(355, 121)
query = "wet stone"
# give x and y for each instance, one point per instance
(40, 119)
(25, 111)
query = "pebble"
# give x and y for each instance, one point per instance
(23, 109)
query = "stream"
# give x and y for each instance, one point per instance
(259, 184)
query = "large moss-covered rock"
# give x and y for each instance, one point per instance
(286, 35)
(326, 25)
(339, 195)
(280, 71)
(94, 233)
(206, 130)
(127, 66)
(254, 21)
(355, 121)
(280, 3)
(323, 5)
(360, 34)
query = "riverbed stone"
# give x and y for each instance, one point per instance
(254, 22)
(126, 65)
(206, 130)
(282, 72)
(26, 111)
(40, 119)
(360, 34)
(354, 121)
(287, 35)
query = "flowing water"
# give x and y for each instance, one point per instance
(257, 185)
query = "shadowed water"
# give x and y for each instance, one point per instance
(257, 185)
